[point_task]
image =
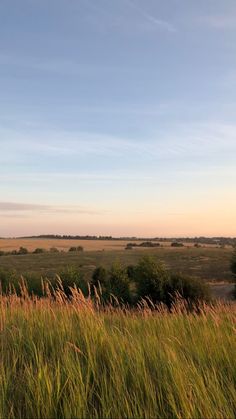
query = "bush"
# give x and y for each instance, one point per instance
(80, 249)
(2, 253)
(14, 252)
(76, 249)
(72, 249)
(191, 289)
(114, 282)
(177, 244)
(71, 276)
(150, 278)
(39, 250)
(22, 251)
(119, 283)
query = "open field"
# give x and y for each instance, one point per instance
(61, 244)
(70, 360)
(207, 263)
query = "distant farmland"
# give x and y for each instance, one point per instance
(207, 263)
(65, 244)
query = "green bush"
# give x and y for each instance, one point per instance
(7, 277)
(69, 277)
(119, 283)
(191, 289)
(150, 278)
(114, 282)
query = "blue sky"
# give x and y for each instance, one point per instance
(118, 117)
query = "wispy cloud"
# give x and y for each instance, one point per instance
(160, 23)
(22, 208)
(181, 140)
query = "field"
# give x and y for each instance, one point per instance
(72, 360)
(206, 263)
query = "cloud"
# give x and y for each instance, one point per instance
(8, 208)
(160, 23)
(190, 140)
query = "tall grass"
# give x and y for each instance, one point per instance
(73, 359)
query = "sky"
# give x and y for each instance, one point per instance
(117, 117)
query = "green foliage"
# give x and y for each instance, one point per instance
(113, 282)
(151, 277)
(119, 283)
(70, 277)
(188, 288)
(7, 277)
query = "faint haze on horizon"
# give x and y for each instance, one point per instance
(118, 118)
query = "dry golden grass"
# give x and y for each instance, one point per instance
(63, 358)
(31, 244)
(89, 245)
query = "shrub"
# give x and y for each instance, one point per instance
(14, 252)
(150, 278)
(177, 244)
(69, 277)
(2, 253)
(149, 244)
(79, 248)
(22, 251)
(72, 249)
(100, 280)
(129, 246)
(114, 282)
(76, 249)
(39, 250)
(8, 279)
(119, 283)
(99, 277)
(191, 289)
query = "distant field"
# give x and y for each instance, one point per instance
(207, 263)
(31, 244)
